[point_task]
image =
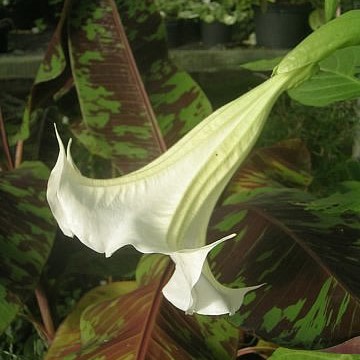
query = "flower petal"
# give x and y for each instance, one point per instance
(106, 216)
(154, 208)
(212, 298)
(193, 288)
(188, 267)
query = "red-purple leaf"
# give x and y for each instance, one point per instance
(307, 260)
(348, 347)
(27, 231)
(140, 324)
(178, 102)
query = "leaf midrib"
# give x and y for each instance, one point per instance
(300, 243)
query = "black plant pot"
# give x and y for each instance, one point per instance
(174, 32)
(5, 26)
(282, 26)
(191, 31)
(215, 33)
(3, 41)
(179, 32)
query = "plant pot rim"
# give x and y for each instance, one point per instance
(275, 7)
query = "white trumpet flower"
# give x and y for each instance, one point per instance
(165, 207)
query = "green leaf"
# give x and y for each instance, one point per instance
(26, 235)
(336, 34)
(317, 18)
(337, 80)
(284, 354)
(345, 200)
(138, 330)
(262, 65)
(10, 305)
(307, 260)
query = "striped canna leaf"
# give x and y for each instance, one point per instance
(120, 321)
(177, 100)
(110, 115)
(117, 118)
(68, 336)
(283, 354)
(308, 257)
(27, 230)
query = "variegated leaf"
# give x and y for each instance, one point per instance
(10, 305)
(178, 101)
(27, 229)
(308, 260)
(351, 346)
(110, 114)
(284, 354)
(287, 164)
(68, 336)
(51, 77)
(140, 325)
(117, 118)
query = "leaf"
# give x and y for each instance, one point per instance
(284, 354)
(348, 347)
(317, 18)
(345, 200)
(263, 64)
(138, 324)
(337, 80)
(286, 164)
(27, 229)
(118, 121)
(68, 335)
(12, 109)
(177, 100)
(87, 262)
(323, 42)
(112, 116)
(52, 75)
(308, 261)
(10, 305)
(130, 133)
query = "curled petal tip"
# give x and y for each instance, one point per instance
(193, 288)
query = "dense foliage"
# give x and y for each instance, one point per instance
(109, 84)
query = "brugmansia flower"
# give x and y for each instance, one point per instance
(165, 206)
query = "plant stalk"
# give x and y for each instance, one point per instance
(5, 143)
(45, 313)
